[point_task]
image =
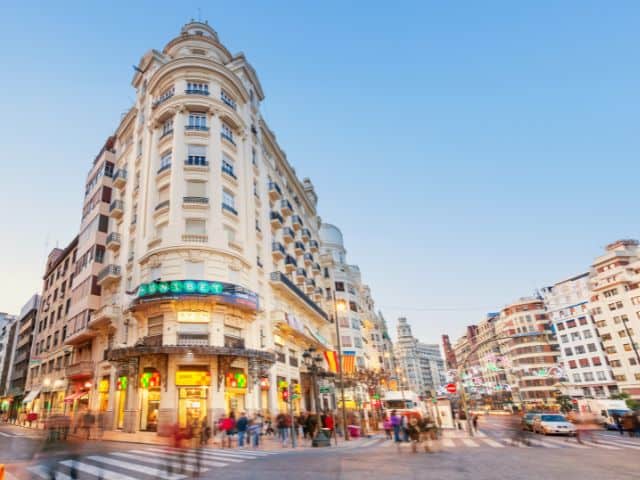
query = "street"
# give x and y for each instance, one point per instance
(489, 455)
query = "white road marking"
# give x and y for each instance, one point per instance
(540, 443)
(601, 445)
(96, 471)
(566, 443)
(5, 434)
(164, 462)
(469, 443)
(137, 468)
(447, 442)
(492, 443)
(204, 455)
(42, 472)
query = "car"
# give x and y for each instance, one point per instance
(553, 423)
(527, 421)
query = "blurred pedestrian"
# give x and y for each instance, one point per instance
(413, 431)
(396, 424)
(628, 423)
(328, 423)
(386, 425)
(205, 432)
(88, 421)
(474, 421)
(242, 426)
(255, 430)
(281, 425)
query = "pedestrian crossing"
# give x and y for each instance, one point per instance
(596, 441)
(144, 463)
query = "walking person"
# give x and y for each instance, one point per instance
(474, 421)
(281, 425)
(255, 430)
(386, 425)
(329, 424)
(396, 424)
(242, 426)
(413, 431)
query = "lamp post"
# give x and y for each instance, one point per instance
(336, 309)
(313, 365)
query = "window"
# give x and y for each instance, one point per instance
(228, 201)
(357, 341)
(355, 323)
(606, 337)
(227, 99)
(622, 333)
(595, 361)
(231, 234)
(582, 320)
(227, 165)
(227, 133)
(196, 189)
(620, 378)
(198, 88)
(564, 338)
(573, 364)
(627, 347)
(197, 121)
(579, 349)
(584, 362)
(592, 347)
(632, 361)
(339, 286)
(346, 341)
(167, 127)
(560, 326)
(588, 377)
(571, 323)
(615, 363)
(600, 375)
(154, 326)
(576, 377)
(195, 226)
(568, 352)
(610, 350)
(586, 334)
(575, 336)
(103, 224)
(601, 323)
(165, 161)
(197, 155)
(353, 307)
(610, 293)
(155, 273)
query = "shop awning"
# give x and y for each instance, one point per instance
(31, 396)
(74, 396)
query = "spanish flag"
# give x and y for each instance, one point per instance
(348, 362)
(332, 361)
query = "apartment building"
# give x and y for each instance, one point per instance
(420, 365)
(584, 361)
(614, 281)
(449, 353)
(531, 352)
(22, 349)
(47, 381)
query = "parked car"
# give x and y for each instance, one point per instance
(527, 421)
(553, 423)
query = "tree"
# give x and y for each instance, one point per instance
(631, 403)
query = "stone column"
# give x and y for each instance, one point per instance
(216, 406)
(168, 411)
(132, 409)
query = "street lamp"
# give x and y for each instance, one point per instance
(313, 365)
(341, 307)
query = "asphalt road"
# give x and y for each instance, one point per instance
(488, 456)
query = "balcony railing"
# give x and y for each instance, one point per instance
(308, 259)
(113, 240)
(229, 208)
(228, 169)
(313, 245)
(197, 162)
(116, 208)
(120, 178)
(161, 205)
(199, 128)
(301, 272)
(285, 207)
(199, 200)
(278, 249)
(84, 369)
(280, 277)
(274, 191)
(299, 247)
(193, 339)
(109, 273)
(152, 341)
(233, 342)
(288, 234)
(306, 234)
(290, 263)
(296, 221)
(227, 101)
(164, 167)
(276, 219)
(196, 91)
(228, 138)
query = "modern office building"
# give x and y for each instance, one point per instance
(614, 301)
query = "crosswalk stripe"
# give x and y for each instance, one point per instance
(226, 458)
(5, 434)
(447, 442)
(625, 442)
(165, 462)
(204, 459)
(621, 445)
(156, 472)
(566, 443)
(492, 443)
(601, 445)
(96, 471)
(540, 443)
(469, 443)
(251, 453)
(42, 472)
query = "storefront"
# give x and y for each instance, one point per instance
(265, 386)
(103, 394)
(149, 399)
(235, 390)
(193, 384)
(121, 400)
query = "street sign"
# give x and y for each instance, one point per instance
(434, 400)
(451, 387)
(325, 389)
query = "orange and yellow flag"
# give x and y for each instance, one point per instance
(332, 361)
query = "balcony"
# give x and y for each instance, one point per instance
(195, 238)
(116, 209)
(197, 91)
(104, 315)
(80, 370)
(228, 137)
(301, 275)
(152, 341)
(280, 357)
(276, 219)
(108, 275)
(299, 248)
(306, 234)
(314, 246)
(296, 222)
(316, 268)
(309, 285)
(233, 342)
(193, 339)
(164, 168)
(196, 162)
(195, 202)
(278, 251)
(288, 235)
(285, 207)
(230, 102)
(290, 264)
(229, 209)
(120, 178)
(228, 170)
(293, 361)
(162, 207)
(308, 259)
(274, 191)
(113, 241)
(317, 294)
(280, 281)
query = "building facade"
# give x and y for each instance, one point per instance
(420, 365)
(8, 327)
(22, 349)
(614, 282)
(584, 360)
(47, 379)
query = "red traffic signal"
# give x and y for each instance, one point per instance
(285, 395)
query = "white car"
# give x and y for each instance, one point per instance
(550, 423)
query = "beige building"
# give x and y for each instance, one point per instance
(47, 382)
(615, 305)
(209, 289)
(531, 353)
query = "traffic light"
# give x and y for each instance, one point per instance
(297, 391)
(285, 395)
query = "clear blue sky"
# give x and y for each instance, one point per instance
(469, 151)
